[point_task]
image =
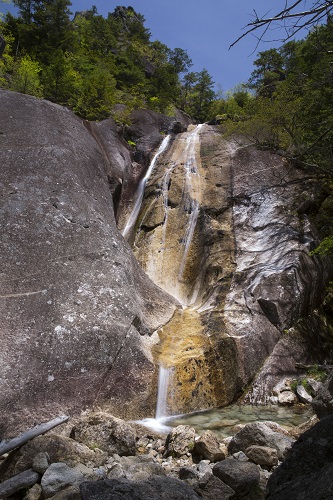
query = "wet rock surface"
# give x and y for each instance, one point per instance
(220, 230)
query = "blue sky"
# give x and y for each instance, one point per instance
(204, 28)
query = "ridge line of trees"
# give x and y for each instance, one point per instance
(92, 63)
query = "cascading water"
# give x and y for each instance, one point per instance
(169, 256)
(141, 188)
(174, 212)
(159, 423)
(162, 392)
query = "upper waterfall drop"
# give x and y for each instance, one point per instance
(141, 188)
(169, 253)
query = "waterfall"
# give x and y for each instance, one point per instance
(162, 392)
(159, 423)
(140, 191)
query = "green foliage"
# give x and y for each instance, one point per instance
(25, 78)
(197, 95)
(325, 247)
(293, 107)
(6, 62)
(91, 63)
(317, 374)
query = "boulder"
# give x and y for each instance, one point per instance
(144, 470)
(262, 455)
(307, 471)
(180, 441)
(207, 446)
(58, 477)
(58, 448)
(322, 404)
(212, 488)
(303, 395)
(287, 398)
(75, 300)
(260, 434)
(106, 432)
(242, 477)
(163, 488)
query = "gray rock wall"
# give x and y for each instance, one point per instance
(76, 310)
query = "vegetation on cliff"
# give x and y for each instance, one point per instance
(91, 63)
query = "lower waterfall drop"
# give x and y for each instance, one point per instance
(159, 423)
(162, 392)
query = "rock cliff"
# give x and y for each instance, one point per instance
(221, 239)
(76, 309)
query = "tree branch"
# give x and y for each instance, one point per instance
(309, 16)
(6, 446)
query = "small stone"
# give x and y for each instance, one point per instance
(35, 493)
(40, 462)
(287, 398)
(239, 455)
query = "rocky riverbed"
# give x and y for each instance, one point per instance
(99, 456)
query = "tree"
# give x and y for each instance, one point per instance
(269, 72)
(26, 79)
(204, 95)
(180, 60)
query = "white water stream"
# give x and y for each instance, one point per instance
(141, 188)
(159, 423)
(193, 192)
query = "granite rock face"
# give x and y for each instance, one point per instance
(76, 309)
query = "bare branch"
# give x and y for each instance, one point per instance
(303, 19)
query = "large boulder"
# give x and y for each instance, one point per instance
(242, 477)
(207, 446)
(180, 441)
(76, 309)
(58, 449)
(260, 434)
(58, 477)
(220, 228)
(307, 472)
(106, 432)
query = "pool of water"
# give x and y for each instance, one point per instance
(224, 421)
